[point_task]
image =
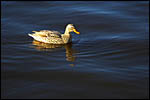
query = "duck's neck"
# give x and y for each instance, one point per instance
(66, 36)
(67, 32)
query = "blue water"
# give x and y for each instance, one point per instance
(108, 60)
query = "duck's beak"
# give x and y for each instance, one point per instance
(76, 31)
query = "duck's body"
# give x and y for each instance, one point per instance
(54, 37)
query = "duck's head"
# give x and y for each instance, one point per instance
(71, 28)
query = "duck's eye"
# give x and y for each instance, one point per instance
(72, 27)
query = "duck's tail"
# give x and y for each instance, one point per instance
(30, 35)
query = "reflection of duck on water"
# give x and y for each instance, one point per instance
(47, 47)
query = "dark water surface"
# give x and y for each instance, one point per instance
(109, 59)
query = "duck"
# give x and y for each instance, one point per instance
(54, 37)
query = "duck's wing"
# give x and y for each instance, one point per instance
(48, 33)
(54, 34)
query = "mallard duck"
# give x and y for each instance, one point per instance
(54, 37)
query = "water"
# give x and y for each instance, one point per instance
(109, 59)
